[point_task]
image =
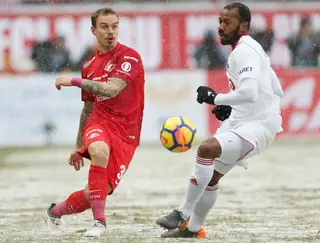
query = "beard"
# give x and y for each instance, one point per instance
(108, 45)
(232, 38)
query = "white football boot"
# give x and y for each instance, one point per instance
(52, 221)
(98, 229)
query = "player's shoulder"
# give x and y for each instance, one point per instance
(129, 53)
(247, 47)
(246, 44)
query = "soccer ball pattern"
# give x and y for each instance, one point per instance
(178, 134)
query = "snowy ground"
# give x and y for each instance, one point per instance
(276, 200)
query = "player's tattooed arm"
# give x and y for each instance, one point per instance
(107, 89)
(87, 109)
(85, 113)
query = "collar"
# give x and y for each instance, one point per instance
(237, 41)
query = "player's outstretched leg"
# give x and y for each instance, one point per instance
(203, 207)
(201, 176)
(193, 228)
(98, 186)
(77, 202)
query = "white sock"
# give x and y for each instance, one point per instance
(202, 208)
(201, 176)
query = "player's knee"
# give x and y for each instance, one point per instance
(215, 178)
(99, 153)
(209, 149)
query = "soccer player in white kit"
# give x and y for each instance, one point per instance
(254, 102)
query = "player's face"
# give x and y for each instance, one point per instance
(106, 30)
(230, 27)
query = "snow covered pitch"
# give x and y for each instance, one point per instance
(276, 200)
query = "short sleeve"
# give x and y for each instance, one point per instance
(85, 95)
(128, 67)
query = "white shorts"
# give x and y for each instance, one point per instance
(240, 143)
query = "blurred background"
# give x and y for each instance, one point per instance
(177, 40)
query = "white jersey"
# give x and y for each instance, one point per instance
(255, 90)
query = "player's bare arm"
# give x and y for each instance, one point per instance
(85, 113)
(107, 89)
(75, 159)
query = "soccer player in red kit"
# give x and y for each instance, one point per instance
(112, 87)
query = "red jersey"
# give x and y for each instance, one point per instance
(122, 113)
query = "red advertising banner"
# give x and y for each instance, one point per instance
(166, 40)
(300, 106)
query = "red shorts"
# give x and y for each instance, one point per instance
(121, 153)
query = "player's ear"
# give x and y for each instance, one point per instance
(93, 30)
(244, 26)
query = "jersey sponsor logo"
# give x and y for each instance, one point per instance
(126, 66)
(89, 62)
(131, 58)
(109, 67)
(246, 69)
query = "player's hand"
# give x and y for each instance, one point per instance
(206, 95)
(63, 81)
(76, 160)
(222, 112)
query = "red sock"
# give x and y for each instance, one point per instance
(98, 190)
(75, 203)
